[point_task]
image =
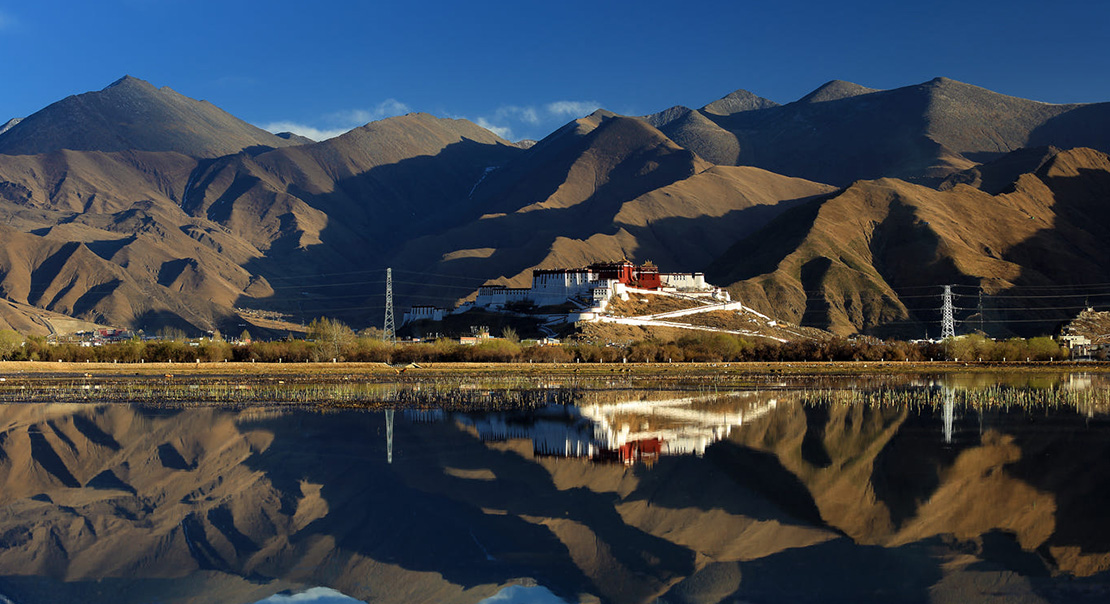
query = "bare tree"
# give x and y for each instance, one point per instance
(331, 337)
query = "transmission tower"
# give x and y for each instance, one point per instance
(947, 318)
(390, 328)
(982, 327)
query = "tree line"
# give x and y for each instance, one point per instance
(329, 340)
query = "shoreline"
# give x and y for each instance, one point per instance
(68, 370)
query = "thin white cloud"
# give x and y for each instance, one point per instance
(503, 131)
(528, 115)
(533, 120)
(572, 109)
(316, 595)
(359, 117)
(315, 134)
(340, 122)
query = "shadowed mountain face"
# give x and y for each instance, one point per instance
(843, 132)
(130, 114)
(138, 207)
(845, 262)
(604, 187)
(124, 504)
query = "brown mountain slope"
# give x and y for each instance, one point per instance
(696, 132)
(999, 175)
(106, 229)
(30, 320)
(189, 239)
(627, 191)
(844, 132)
(737, 102)
(370, 186)
(871, 256)
(73, 182)
(132, 281)
(570, 185)
(834, 91)
(131, 114)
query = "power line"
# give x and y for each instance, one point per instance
(401, 270)
(314, 275)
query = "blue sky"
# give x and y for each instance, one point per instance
(525, 68)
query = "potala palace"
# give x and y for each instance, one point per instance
(587, 291)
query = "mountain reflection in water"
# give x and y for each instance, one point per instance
(917, 491)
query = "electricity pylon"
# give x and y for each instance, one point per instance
(390, 328)
(947, 316)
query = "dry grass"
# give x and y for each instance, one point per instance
(638, 305)
(741, 321)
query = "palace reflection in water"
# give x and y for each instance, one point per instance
(626, 431)
(971, 488)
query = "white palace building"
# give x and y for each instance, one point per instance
(586, 289)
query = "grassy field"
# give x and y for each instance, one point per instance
(471, 386)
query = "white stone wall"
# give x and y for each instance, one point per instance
(684, 281)
(419, 313)
(551, 289)
(490, 295)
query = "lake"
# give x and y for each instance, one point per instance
(958, 488)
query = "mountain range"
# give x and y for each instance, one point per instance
(135, 206)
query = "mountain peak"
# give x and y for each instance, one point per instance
(950, 84)
(834, 91)
(132, 114)
(667, 116)
(128, 81)
(405, 136)
(737, 102)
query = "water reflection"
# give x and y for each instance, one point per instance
(919, 490)
(949, 413)
(389, 435)
(637, 429)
